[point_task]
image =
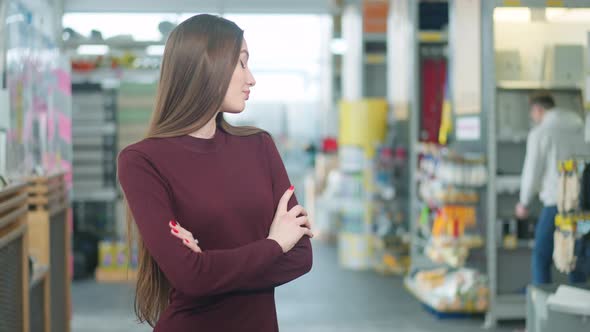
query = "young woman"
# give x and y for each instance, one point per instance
(227, 185)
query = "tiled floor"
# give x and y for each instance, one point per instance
(327, 299)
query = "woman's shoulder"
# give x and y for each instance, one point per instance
(259, 139)
(266, 144)
(262, 138)
(147, 148)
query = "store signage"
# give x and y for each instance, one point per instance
(468, 128)
(375, 16)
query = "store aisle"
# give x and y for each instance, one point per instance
(327, 299)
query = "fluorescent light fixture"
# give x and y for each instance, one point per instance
(567, 15)
(338, 46)
(155, 50)
(515, 15)
(552, 14)
(93, 49)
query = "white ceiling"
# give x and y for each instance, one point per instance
(202, 6)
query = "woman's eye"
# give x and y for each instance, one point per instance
(243, 64)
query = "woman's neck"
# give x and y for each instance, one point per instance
(208, 130)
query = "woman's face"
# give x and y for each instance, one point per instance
(240, 84)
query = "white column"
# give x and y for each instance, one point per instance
(352, 60)
(329, 113)
(401, 56)
(58, 10)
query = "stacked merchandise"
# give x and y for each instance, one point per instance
(135, 106)
(447, 189)
(134, 103)
(127, 60)
(94, 138)
(448, 192)
(95, 193)
(391, 244)
(362, 130)
(320, 184)
(35, 139)
(354, 240)
(16, 137)
(116, 262)
(361, 193)
(450, 291)
(572, 233)
(449, 244)
(35, 129)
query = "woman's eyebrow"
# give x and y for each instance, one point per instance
(245, 51)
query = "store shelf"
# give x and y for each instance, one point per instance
(421, 261)
(520, 245)
(96, 195)
(105, 129)
(110, 276)
(543, 4)
(340, 203)
(113, 43)
(508, 184)
(516, 138)
(439, 203)
(113, 77)
(422, 177)
(535, 85)
(421, 296)
(91, 156)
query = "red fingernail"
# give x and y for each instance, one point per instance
(185, 240)
(173, 222)
(175, 230)
(292, 187)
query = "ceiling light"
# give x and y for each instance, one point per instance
(93, 49)
(338, 46)
(516, 14)
(571, 15)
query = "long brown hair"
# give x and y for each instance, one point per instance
(199, 59)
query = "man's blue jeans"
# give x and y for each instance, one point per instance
(543, 251)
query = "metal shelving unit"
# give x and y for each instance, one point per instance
(419, 259)
(95, 152)
(508, 269)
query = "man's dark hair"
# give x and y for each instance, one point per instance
(543, 99)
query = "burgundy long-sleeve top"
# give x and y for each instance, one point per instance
(225, 191)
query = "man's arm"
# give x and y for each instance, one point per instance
(533, 169)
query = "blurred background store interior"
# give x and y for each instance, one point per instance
(402, 125)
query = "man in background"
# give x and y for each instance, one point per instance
(558, 134)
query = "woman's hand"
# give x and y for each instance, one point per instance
(287, 228)
(185, 236)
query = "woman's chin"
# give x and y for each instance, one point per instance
(234, 110)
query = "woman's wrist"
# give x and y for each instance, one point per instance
(277, 242)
